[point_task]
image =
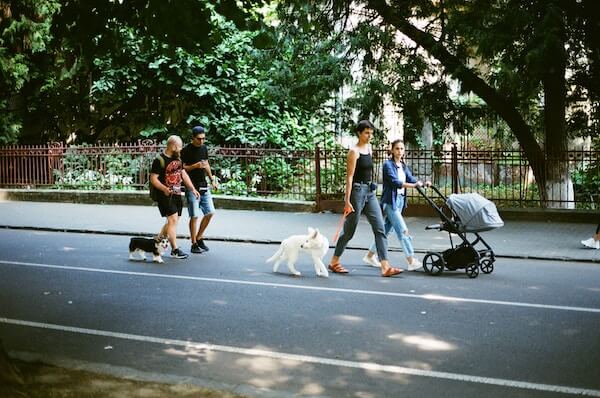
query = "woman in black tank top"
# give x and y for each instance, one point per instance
(360, 198)
(363, 169)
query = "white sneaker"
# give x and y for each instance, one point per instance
(372, 261)
(591, 243)
(415, 265)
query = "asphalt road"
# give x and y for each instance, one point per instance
(223, 319)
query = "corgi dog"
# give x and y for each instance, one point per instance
(314, 243)
(156, 246)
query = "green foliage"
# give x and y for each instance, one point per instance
(11, 126)
(230, 175)
(25, 33)
(92, 172)
(586, 183)
(233, 187)
(252, 104)
(121, 71)
(273, 173)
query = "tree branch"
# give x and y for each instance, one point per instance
(470, 81)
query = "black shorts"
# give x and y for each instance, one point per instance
(169, 205)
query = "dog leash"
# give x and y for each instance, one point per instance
(340, 225)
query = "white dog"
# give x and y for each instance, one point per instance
(314, 243)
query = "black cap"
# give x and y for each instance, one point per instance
(198, 130)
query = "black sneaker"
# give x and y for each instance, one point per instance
(178, 253)
(202, 246)
(196, 248)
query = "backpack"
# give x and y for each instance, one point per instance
(155, 193)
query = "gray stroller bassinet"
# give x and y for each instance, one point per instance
(463, 214)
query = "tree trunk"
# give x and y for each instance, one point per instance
(427, 134)
(559, 187)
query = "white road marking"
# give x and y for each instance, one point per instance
(252, 352)
(431, 297)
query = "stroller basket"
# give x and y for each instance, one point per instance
(476, 213)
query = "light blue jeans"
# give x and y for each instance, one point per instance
(394, 219)
(364, 202)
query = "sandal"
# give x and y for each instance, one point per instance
(337, 269)
(391, 272)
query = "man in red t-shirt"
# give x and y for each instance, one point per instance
(167, 176)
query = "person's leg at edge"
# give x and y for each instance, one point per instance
(594, 241)
(373, 213)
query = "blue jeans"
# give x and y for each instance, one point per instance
(395, 220)
(364, 201)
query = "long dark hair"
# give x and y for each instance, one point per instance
(392, 145)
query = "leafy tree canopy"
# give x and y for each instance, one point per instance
(148, 68)
(533, 64)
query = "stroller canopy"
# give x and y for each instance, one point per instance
(475, 212)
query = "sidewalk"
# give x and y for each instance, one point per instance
(519, 239)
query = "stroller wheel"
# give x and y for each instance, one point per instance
(487, 266)
(472, 270)
(433, 263)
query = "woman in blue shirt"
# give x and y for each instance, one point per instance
(396, 178)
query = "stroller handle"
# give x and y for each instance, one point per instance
(421, 190)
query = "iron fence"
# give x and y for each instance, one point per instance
(319, 175)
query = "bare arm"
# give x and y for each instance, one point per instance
(208, 170)
(210, 175)
(188, 182)
(159, 185)
(190, 167)
(412, 185)
(411, 181)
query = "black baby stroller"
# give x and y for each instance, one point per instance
(462, 214)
